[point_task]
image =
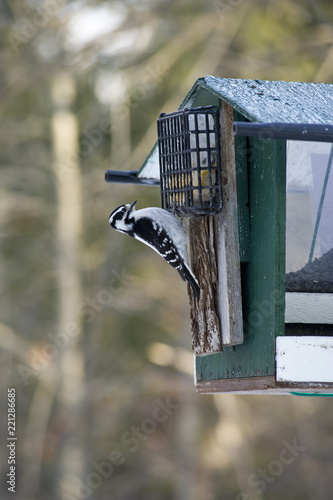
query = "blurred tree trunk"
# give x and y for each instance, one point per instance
(68, 231)
(120, 122)
(186, 484)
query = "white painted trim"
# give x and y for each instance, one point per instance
(304, 359)
(309, 308)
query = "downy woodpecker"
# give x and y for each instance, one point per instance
(161, 231)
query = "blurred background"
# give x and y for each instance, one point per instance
(95, 331)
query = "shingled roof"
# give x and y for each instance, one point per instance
(259, 101)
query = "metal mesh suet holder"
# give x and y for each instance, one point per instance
(190, 161)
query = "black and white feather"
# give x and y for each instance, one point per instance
(161, 231)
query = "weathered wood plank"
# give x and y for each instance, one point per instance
(216, 319)
(205, 324)
(236, 385)
(228, 293)
(261, 385)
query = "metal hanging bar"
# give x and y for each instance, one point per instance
(129, 177)
(285, 131)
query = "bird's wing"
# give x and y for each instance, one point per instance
(151, 233)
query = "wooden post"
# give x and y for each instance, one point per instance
(228, 297)
(216, 318)
(205, 323)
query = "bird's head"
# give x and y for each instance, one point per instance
(122, 218)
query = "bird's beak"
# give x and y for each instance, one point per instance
(132, 204)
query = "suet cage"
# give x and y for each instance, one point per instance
(190, 161)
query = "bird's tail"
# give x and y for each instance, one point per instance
(189, 276)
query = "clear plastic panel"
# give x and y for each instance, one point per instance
(309, 219)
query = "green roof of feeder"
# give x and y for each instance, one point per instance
(259, 101)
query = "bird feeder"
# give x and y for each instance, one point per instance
(261, 230)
